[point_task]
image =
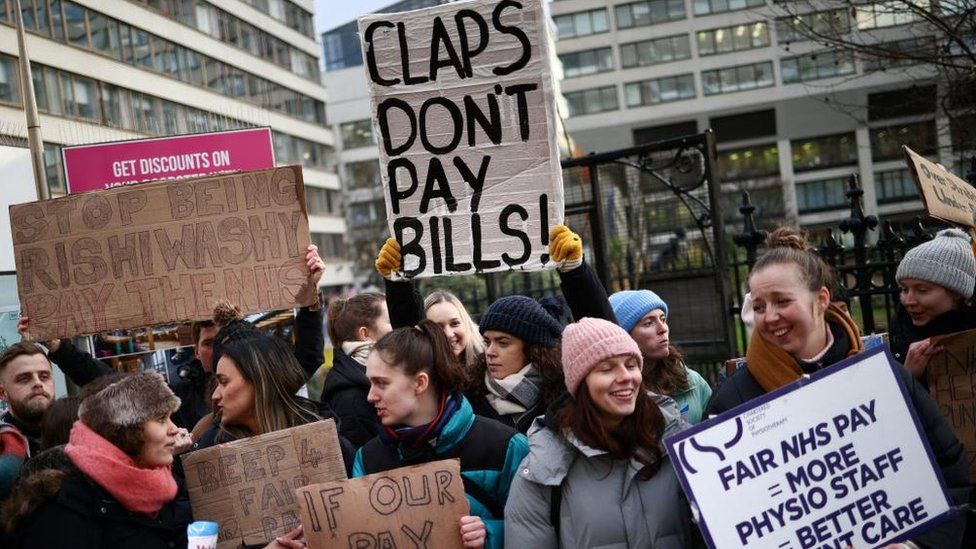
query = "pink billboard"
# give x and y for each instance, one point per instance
(106, 165)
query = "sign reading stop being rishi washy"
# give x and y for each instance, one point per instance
(107, 165)
(464, 114)
(162, 252)
(834, 460)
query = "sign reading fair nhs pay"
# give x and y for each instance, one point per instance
(833, 460)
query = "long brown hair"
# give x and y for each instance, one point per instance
(423, 348)
(667, 376)
(638, 436)
(269, 364)
(546, 359)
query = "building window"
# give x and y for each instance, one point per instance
(667, 131)
(817, 153)
(362, 175)
(747, 125)
(821, 195)
(652, 52)
(886, 142)
(52, 169)
(330, 245)
(740, 78)
(321, 201)
(887, 14)
(962, 130)
(797, 28)
(581, 63)
(582, 23)
(660, 90)
(895, 186)
(821, 64)
(9, 80)
(901, 53)
(749, 162)
(365, 214)
(903, 102)
(705, 7)
(357, 134)
(592, 101)
(650, 12)
(737, 38)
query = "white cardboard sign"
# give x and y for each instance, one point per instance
(835, 459)
(464, 114)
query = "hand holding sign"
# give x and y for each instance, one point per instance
(419, 506)
(388, 260)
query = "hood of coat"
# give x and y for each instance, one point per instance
(551, 453)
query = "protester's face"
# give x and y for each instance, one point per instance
(159, 439)
(613, 386)
(234, 396)
(446, 315)
(924, 300)
(204, 348)
(788, 314)
(651, 335)
(27, 386)
(396, 395)
(504, 353)
(382, 325)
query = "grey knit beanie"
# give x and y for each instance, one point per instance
(946, 260)
(130, 401)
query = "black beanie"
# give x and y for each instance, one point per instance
(524, 318)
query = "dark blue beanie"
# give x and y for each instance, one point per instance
(524, 318)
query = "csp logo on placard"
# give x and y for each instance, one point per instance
(704, 449)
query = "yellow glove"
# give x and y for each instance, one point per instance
(388, 260)
(564, 244)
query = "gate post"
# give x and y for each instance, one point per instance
(718, 236)
(598, 228)
(859, 224)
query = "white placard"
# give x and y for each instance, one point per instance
(18, 187)
(464, 116)
(828, 461)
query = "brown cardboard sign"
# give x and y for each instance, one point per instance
(945, 195)
(952, 383)
(418, 506)
(247, 486)
(162, 253)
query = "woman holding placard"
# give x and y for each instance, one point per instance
(936, 281)
(799, 331)
(257, 378)
(416, 385)
(597, 474)
(518, 374)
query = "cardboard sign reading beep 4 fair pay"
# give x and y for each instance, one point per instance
(833, 460)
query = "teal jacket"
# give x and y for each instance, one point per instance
(692, 403)
(489, 452)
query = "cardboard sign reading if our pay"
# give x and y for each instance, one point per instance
(464, 110)
(952, 382)
(839, 459)
(162, 253)
(248, 486)
(417, 506)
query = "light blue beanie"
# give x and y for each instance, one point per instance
(631, 305)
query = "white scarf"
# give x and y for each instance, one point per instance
(358, 350)
(515, 393)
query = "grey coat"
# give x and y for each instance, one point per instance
(603, 504)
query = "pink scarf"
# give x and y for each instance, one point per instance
(138, 489)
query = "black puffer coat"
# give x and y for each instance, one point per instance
(84, 516)
(345, 391)
(902, 332)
